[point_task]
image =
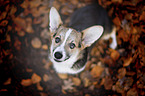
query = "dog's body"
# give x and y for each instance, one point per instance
(69, 48)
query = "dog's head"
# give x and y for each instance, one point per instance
(67, 43)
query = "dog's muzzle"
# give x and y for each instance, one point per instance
(58, 57)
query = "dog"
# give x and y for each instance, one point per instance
(69, 48)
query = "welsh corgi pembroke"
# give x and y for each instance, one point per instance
(69, 48)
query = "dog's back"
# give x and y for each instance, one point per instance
(90, 15)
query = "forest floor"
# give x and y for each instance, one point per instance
(24, 42)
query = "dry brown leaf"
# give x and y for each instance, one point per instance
(8, 81)
(127, 61)
(25, 4)
(36, 43)
(88, 65)
(4, 23)
(76, 81)
(117, 1)
(121, 73)
(47, 65)
(39, 87)
(57, 5)
(13, 10)
(8, 38)
(34, 3)
(62, 76)
(74, 2)
(45, 47)
(3, 15)
(20, 22)
(114, 54)
(35, 78)
(117, 21)
(21, 33)
(97, 71)
(108, 83)
(29, 70)
(26, 82)
(29, 28)
(68, 85)
(46, 77)
(37, 20)
(132, 92)
(17, 44)
(86, 82)
(117, 87)
(142, 16)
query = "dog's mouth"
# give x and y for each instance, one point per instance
(57, 60)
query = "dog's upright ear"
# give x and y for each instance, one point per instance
(91, 34)
(54, 19)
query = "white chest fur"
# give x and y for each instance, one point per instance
(66, 66)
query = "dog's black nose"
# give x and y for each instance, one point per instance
(58, 55)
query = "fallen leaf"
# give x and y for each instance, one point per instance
(114, 54)
(43, 94)
(46, 77)
(132, 92)
(13, 10)
(8, 38)
(117, 21)
(47, 65)
(142, 16)
(127, 61)
(17, 44)
(26, 82)
(34, 3)
(25, 4)
(121, 73)
(35, 78)
(76, 81)
(36, 43)
(29, 70)
(4, 23)
(20, 22)
(7, 82)
(117, 1)
(108, 83)
(21, 33)
(63, 76)
(3, 15)
(97, 71)
(86, 82)
(39, 87)
(117, 87)
(45, 47)
(68, 85)
(29, 28)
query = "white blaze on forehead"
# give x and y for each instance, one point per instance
(66, 36)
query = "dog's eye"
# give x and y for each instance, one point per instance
(57, 40)
(72, 45)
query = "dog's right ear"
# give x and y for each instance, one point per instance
(54, 19)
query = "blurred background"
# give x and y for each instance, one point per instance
(25, 69)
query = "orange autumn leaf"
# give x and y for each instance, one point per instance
(26, 82)
(35, 78)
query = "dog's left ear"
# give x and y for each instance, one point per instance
(54, 19)
(91, 34)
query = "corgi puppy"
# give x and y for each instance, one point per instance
(69, 46)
